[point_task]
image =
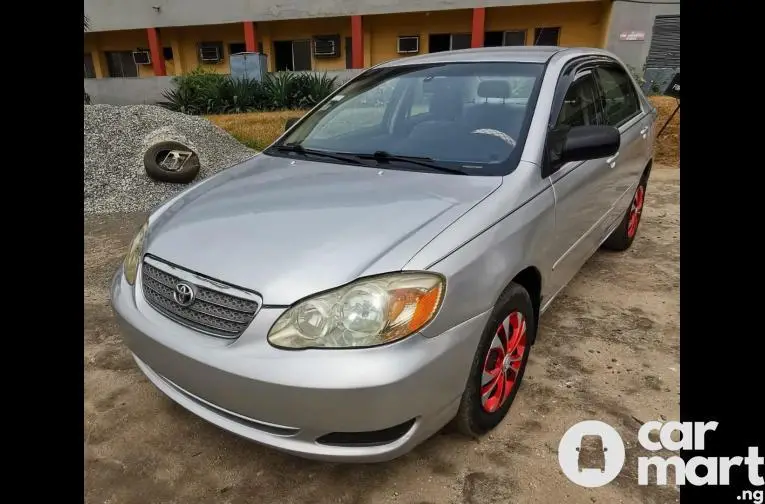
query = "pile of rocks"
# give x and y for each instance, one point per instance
(116, 138)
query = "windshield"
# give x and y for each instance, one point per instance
(471, 118)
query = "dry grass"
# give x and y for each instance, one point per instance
(668, 144)
(258, 129)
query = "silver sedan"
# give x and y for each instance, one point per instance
(380, 270)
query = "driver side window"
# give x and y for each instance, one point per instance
(579, 106)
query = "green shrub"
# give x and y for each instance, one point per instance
(279, 90)
(311, 88)
(206, 92)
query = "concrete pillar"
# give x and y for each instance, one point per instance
(250, 37)
(357, 42)
(605, 21)
(367, 46)
(99, 64)
(157, 56)
(265, 34)
(479, 22)
(177, 56)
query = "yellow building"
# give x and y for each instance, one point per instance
(168, 45)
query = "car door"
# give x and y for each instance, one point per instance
(580, 188)
(624, 110)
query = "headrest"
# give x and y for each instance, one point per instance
(494, 89)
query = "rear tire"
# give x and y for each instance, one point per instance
(499, 362)
(622, 237)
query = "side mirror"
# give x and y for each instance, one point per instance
(290, 122)
(582, 143)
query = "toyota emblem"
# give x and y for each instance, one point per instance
(184, 294)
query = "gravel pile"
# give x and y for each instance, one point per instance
(116, 138)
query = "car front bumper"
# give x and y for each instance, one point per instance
(291, 400)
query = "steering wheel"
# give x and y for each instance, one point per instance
(496, 133)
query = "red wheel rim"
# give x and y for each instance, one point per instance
(635, 210)
(503, 362)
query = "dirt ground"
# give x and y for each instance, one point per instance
(608, 349)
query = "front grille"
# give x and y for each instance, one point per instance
(212, 311)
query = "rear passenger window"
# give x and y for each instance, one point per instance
(620, 100)
(579, 108)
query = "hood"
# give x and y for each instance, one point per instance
(290, 228)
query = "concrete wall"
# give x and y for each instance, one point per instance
(628, 16)
(135, 14)
(135, 91)
(148, 90)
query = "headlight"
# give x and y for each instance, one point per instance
(367, 312)
(133, 256)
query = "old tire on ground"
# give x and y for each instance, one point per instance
(499, 363)
(623, 236)
(171, 162)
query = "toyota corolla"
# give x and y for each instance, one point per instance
(381, 268)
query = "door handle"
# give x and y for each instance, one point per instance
(644, 131)
(612, 160)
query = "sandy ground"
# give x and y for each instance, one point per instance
(608, 350)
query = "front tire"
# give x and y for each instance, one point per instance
(499, 363)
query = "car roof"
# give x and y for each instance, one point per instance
(511, 54)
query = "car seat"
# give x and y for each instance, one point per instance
(492, 110)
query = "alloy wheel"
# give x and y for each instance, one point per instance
(503, 362)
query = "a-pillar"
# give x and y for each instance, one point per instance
(357, 43)
(250, 37)
(157, 56)
(479, 22)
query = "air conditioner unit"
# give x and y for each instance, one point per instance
(210, 53)
(408, 45)
(141, 57)
(326, 47)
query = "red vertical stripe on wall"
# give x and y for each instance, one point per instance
(157, 56)
(479, 21)
(357, 42)
(250, 37)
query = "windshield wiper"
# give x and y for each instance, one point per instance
(417, 160)
(299, 149)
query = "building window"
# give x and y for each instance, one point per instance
(90, 70)
(493, 39)
(546, 36)
(439, 42)
(237, 47)
(514, 38)
(167, 53)
(408, 44)
(294, 55)
(121, 64)
(326, 46)
(211, 52)
(507, 38)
